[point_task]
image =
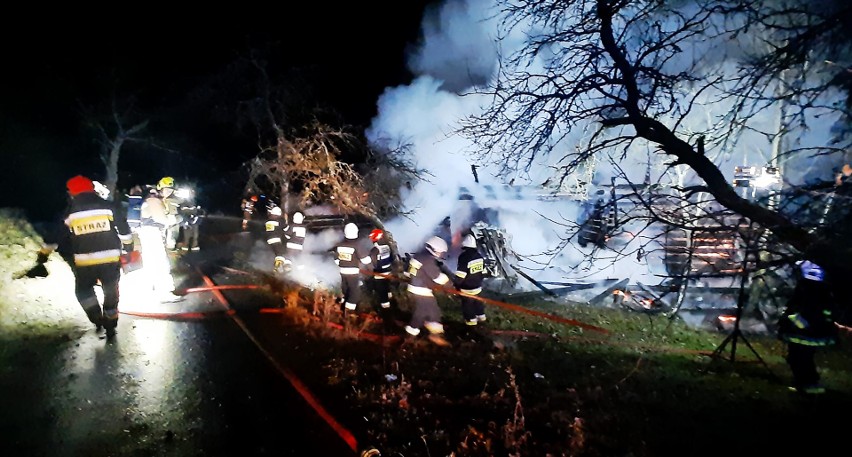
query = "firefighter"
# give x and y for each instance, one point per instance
(296, 232)
(98, 233)
(159, 218)
(275, 234)
(350, 257)
(247, 207)
(161, 209)
(468, 280)
(189, 215)
(807, 324)
(425, 273)
(381, 258)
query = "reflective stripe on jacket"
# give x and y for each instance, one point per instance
(425, 274)
(97, 230)
(350, 257)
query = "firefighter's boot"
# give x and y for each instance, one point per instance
(94, 313)
(110, 322)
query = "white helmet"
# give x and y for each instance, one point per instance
(436, 246)
(350, 231)
(469, 241)
(275, 211)
(298, 218)
(101, 190)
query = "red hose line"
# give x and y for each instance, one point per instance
(502, 304)
(297, 383)
(190, 290)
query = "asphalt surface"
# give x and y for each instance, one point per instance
(160, 387)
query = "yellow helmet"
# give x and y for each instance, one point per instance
(167, 181)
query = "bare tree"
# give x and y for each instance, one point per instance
(309, 167)
(316, 161)
(114, 132)
(629, 75)
(387, 173)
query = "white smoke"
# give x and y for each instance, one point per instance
(458, 51)
(458, 45)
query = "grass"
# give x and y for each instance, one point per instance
(650, 387)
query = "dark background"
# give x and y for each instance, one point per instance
(184, 71)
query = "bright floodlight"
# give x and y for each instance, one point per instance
(183, 193)
(763, 181)
(769, 177)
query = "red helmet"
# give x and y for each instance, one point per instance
(376, 235)
(79, 184)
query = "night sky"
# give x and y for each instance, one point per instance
(172, 64)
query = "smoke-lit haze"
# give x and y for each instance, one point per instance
(457, 52)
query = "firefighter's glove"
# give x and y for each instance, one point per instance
(278, 266)
(127, 247)
(41, 257)
(44, 253)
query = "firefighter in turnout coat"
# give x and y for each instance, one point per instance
(807, 324)
(296, 232)
(162, 209)
(247, 207)
(382, 260)
(275, 234)
(426, 274)
(350, 257)
(468, 280)
(98, 232)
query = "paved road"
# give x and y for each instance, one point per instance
(163, 387)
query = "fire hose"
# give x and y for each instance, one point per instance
(502, 304)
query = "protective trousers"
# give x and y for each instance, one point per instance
(801, 360)
(86, 278)
(471, 309)
(189, 236)
(350, 284)
(157, 268)
(426, 314)
(382, 290)
(171, 235)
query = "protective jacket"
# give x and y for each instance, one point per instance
(350, 257)
(382, 260)
(295, 237)
(425, 274)
(808, 319)
(247, 206)
(160, 211)
(470, 271)
(275, 233)
(97, 230)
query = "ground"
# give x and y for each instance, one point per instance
(520, 385)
